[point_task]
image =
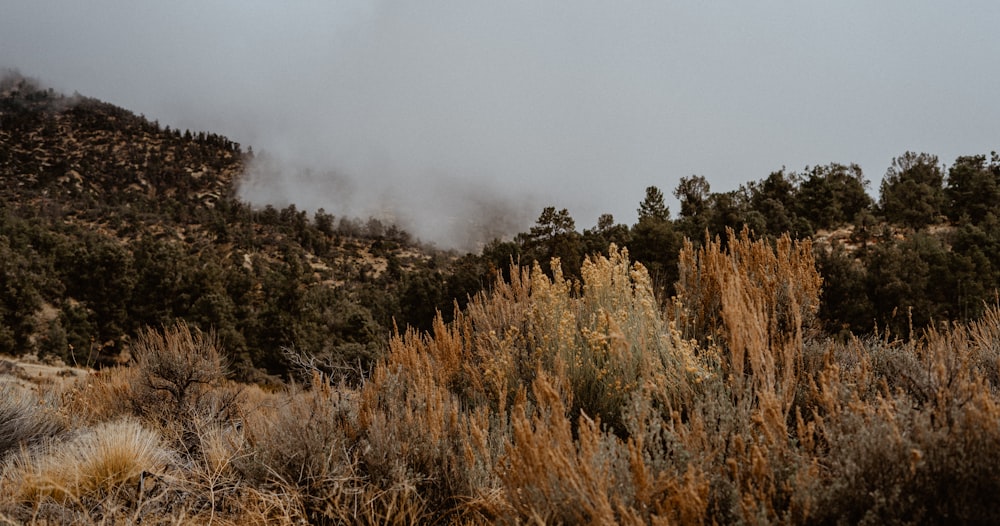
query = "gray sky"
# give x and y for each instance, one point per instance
(453, 114)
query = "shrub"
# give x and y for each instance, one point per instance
(25, 419)
(179, 382)
(554, 400)
(179, 363)
(96, 464)
(755, 301)
(301, 440)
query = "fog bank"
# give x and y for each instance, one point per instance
(448, 114)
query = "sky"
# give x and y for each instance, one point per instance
(462, 119)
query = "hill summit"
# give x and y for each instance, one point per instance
(110, 223)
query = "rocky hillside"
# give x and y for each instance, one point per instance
(110, 223)
(75, 148)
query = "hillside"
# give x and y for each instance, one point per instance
(546, 401)
(67, 149)
(702, 385)
(110, 223)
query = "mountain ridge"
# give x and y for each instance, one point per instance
(102, 206)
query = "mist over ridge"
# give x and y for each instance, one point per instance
(445, 114)
(450, 213)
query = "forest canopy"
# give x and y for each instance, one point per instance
(111, 223)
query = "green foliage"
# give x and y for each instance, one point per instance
(19, 298)
(912, 192)
(775, 199)
(554, 235)
(973, 188)
(605, 233)
(845, 306)
(105, 229)
(975, 267)
(832, 195)
(910, 283)
(127, 225)
(101, 273)
(546, 400)
(694, 193)
(655, 243)
(652, 206)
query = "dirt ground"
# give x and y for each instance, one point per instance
(30, 372)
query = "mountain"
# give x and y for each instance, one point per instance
(77, 149)
(110, 223)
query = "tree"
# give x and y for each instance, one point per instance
(726, 210)
(973, 188)
(653, 207)
(844, 304)
(552, 223)
(975, 254)
(599, 238)
(554, 236)
(656, 244)
(19, 299)
(422, 296)
(466, 277)
(694, 194)
(500, 255)
(832, 195)
(910, 278)
(103, 276)
(775, 199)
(912, 192)
(324, 222)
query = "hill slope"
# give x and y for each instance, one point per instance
(110, 223)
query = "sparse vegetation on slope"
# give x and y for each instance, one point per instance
(110, 223)
(620, 375)
(553, 401)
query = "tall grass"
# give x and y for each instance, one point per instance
(550, 401)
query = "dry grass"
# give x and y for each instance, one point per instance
(98, 462)
(25, 419)
(548, 401)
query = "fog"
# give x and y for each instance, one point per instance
(460, 120)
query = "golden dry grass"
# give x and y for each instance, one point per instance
(549, 401)
(98, 462)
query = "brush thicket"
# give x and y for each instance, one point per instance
(549, 400)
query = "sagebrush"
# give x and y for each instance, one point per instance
(552, 400)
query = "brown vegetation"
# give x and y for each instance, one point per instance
(547, 400)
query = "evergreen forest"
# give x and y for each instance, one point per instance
(791, 351)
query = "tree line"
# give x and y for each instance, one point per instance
(928, 250)
(87, 262)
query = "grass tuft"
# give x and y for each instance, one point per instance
(99, 462)
(25, 419)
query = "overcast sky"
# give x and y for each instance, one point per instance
(451, 114)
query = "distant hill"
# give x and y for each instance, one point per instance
(110, 222)
(70, 149)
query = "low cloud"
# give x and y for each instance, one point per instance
(448, 114)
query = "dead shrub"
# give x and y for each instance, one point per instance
(177, 366)
(302, 440)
